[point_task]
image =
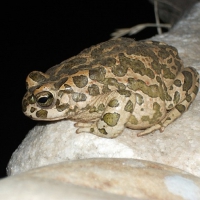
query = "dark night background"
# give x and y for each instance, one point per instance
(36, 37)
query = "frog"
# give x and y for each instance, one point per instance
(117, 84)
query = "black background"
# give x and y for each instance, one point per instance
(36, 37)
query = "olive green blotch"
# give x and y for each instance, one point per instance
(101, 107)
(136, 65)
(58, 84)
(126, 93)
(31, 99)
(62, 107)
(181, 108)
(188, 98)
(37, 76)
(93, 109)
(78, 97)
(111, 119)
(169, 61)
(196, 89)
(80, 81)
(187, 80)
(114, 82)
(133, 120)
(177, 97)
(68, 88)
(177, 83)
(119, 70)
(113, 103)
(156, 115)
(97, 74)
(42, 114)
(71, 66)
(151, 90)
(108, 62)
(129, 106)
(103, 131)
(162, 53)
(93, 90)
(167, 73)
(139, 99)
(156, 66)
(106, 89)
(32, 109)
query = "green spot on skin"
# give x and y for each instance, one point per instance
(32, 109)
(91, 130)
(188, 98)
(62, 107)
(114, 82)
(31, 99)
(196, 90)
(80, 81)
(77, 97)
(58, 84)
(167, 73)
(119, 70)
(181, 108)
(151, 90)
(136, 65)
(97, 74)
(176, 97)
(103, 131)
(169, 61)
(139, 99)
(156, 116)
(133, 120)
(156, 66)
(162, 53)
(111, 119)
(106, 89)
(187, 80)
(93, 90)
(37, 76)
(170, 106)
(171, 87)
(108, 62)
(101, 107)
(68, 88)
(96, 52)
(126, 93)
(159, 79)
(42, 114)
(178, 64)
(177, 83)
(113, 103)
(93, 109)
(129, 106)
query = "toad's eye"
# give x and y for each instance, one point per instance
(44, 99)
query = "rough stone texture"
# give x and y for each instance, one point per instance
(177, 146)
(102, 179)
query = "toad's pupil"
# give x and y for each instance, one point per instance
(43, 99)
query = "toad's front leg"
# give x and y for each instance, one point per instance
(118, 110)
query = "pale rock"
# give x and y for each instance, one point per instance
(177, 146)
(102, 179)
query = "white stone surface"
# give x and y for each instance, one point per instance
(102, 179)
(177, 146)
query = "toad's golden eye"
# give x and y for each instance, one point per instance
(44, 99)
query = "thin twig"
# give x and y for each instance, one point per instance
(157, 17)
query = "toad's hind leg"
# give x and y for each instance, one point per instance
(180, 95)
